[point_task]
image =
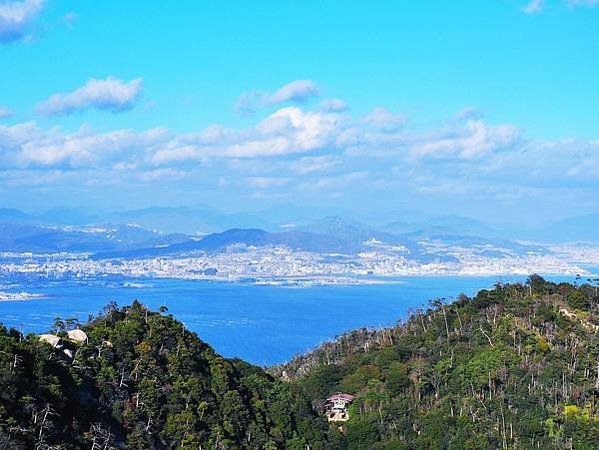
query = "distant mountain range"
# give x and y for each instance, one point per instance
(579, 228)
(346, 240)
(162, 219)
(175, 230)
(218, 242)
(441, 226)
(19, 237)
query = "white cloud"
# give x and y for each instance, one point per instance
(305, 154)
(5, 113)
(537, 6)
(16, 19)
(298, 91)
(80, 149)
(333, 105)
(313, 164)
(173, 154)
(469, 113)
(26, 179)
(290, 132)
(294, 150)
(27, 145)
(111, 94)
(159, 174)
(287, 131)
(248, 102)
(266, 182)
(475, 140)
(574, 158)
(534, 6)
(583, 2)
(382, 119)
(69, 19)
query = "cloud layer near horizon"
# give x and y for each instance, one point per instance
(307, 151)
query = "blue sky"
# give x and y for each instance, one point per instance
(481, 108)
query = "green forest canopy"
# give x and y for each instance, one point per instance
(516, 366)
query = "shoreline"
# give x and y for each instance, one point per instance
(20, 296)
(141, 283)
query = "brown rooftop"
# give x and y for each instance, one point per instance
(341, 396)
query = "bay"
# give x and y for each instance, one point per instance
(262, 324)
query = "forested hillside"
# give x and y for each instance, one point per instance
(142, 381)
(514, 367)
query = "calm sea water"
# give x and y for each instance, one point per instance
(261, 324)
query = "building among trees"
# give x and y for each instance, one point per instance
(337, 405)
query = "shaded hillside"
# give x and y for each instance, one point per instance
(358, 233)
(218, 242)
(31, 238)
(343, 243)
(513, 367)
(142, 381)
(20, 237)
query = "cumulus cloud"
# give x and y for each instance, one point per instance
(287, 131)
(298, 91)
(175, 152)
(305, 151)
(316, 140)
(16, 19)
(382, 119)
(474, 140)
(110, 94)
(28, 145)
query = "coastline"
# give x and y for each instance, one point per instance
(20, 296)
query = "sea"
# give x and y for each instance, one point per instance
(262, 324)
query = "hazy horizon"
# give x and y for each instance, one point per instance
(368, 217)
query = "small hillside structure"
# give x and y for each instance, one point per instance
(337, 406)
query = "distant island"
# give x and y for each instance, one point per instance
(512, 367)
